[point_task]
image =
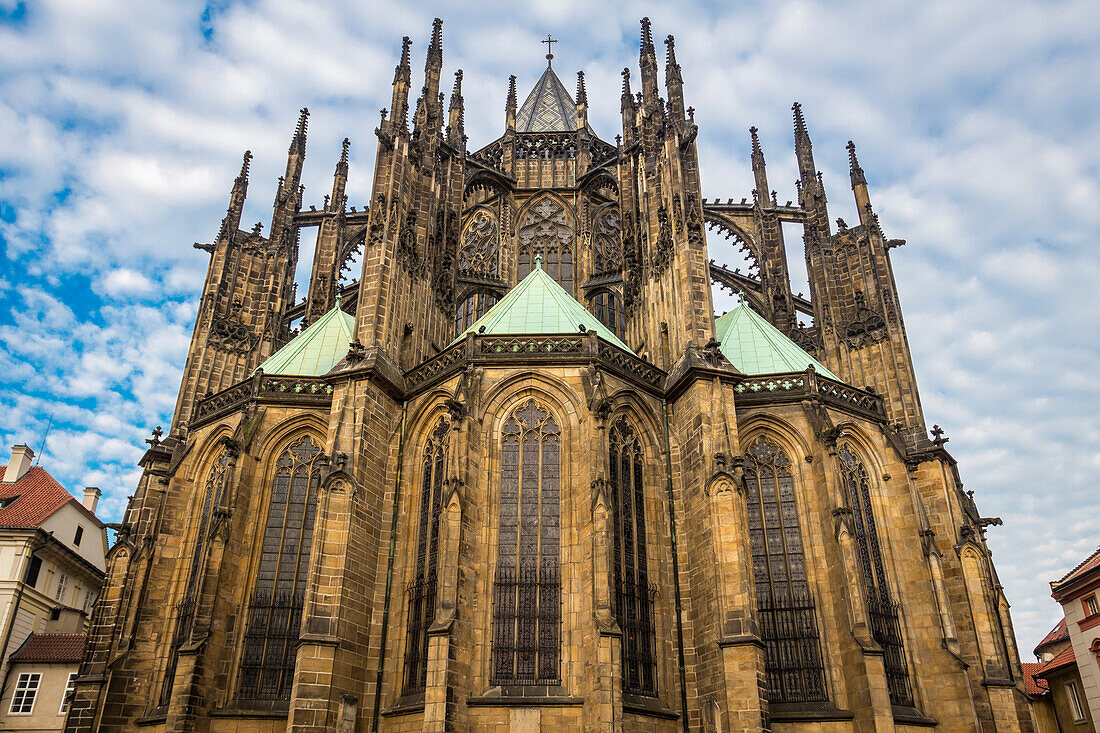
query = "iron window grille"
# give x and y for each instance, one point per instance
(793, 663)
(278, 598)
(421, 592)
(634, 595)
(883, 613)
(527, 591)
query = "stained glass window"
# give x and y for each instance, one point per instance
(633, 591)
(185, 607)
(275, 611)
(471, 309)
(422, 590)
(608, 308)
(792, 647)
(882, 610)
(527, 593)
(547, 232)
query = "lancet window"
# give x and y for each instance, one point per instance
(633, 591)
(792, 646)
(547, 232)
(421, 591)
(527, 591)
(882, 610)
(480, 243)
(185, 608)
(471, 309)
(275, 611)
(607, 246)
(608, 308)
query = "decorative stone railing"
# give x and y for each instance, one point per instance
(263, 388)
(769, 387)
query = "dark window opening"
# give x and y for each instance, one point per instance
(608, 309)
(792, 648)
(275, 611)
(34, 567)
(422, 591)
(79, 536)
(633, 592)
(883, 612)
(527, 591)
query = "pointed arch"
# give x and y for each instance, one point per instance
(546, 227)
(527, 591)
(479, 251)
(883, 611)
(266, 670)
(607, 245)
(422, 590)
(630, 565)
(793, 662)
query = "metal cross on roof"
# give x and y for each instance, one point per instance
(549, 48)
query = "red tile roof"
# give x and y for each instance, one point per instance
(1090, 563)
(37, 495)
(1064, 659)
(51, 649)
(1058, 633)
(1031, 684)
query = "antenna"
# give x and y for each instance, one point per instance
(42, 448)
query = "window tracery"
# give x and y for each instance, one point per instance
(792, 646)
(278, 597)
(608, 309)
(546, 231)
(607, 246)
(527, 593)
(422, 591)
(480, 243)
(633, 591)
(882, 610)
(185, 608)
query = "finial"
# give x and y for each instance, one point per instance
(740, 297)
(853, 165)
(549, 50)
(538, 262)
(338, 300)
(799, 120)
(647, 36)
(670, 56)
(406, 53)
(755, 141)
(582, 93)
(437, 37)
(344, 153)
(246, 163)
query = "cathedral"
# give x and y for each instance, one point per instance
(519, 476)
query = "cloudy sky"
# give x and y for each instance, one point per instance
(123, 125)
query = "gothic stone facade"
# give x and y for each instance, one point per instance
(508, 532)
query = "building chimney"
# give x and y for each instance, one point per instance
(91, 498)
(20, 463)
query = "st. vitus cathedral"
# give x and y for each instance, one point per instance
(519, 476)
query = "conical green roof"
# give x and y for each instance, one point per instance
(548, 108)
(755, 346)
(316, 350)
(539, 305)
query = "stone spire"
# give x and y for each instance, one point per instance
(510, 105)
(456, 131)
(340, 179)
(859, 187)
(288, 197)
(629, 108)
(759, 171)
(582, 102)
(811, 191)
(402, 78)
(674, 82)
(647, 60)
(232, 221)
(429, 107)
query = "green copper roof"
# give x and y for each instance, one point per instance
(316, 350)
(757, 347)
(539, 305)
(548, 108)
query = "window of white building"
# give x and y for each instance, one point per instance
(26, 689)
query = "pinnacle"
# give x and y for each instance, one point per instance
(406, 46)
(647, 37)
(755, 141)
(670, 58)
(582, 93)
(799, 120)
(246, 163)
(344, 153)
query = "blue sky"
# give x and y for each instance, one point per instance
(123, 126)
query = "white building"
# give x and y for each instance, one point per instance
(52, 562)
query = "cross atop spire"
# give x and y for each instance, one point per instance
(549, 50)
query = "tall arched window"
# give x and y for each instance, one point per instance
(546, 230)
(608, 309)
(185, 608)
(792, 647)
(471, 309)
(633, 592)
(275, 612)
(422, 590)
(478, 253)
(527, 614)
(883, 612)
